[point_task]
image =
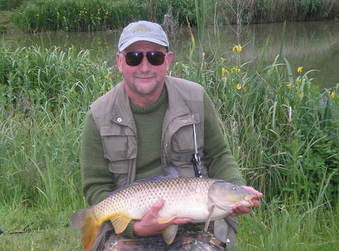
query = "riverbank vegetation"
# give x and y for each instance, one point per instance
(282, 130)
(90, 15)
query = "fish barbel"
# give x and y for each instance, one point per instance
(201, 199)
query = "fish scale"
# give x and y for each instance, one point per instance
(174, 190)
(200, 199)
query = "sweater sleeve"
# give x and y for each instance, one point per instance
(97, 180)
(219, 160)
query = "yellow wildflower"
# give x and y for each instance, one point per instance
(239, 86)
(298, 81)
(224, 71)
(237, 48)
(109, 75)
(289, 85)
(300, 69)
(332, 95)
(222, 59)
(235, 69)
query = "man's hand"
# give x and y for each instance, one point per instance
(241, 209)
(149, 225)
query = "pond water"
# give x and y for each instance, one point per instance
(313, 45)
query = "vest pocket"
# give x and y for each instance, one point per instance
(118, 146)
(120, 170)
(182, 139)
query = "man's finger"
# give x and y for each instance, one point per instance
(180, 221)
(251, 189)
(240, 210)
(156, 207)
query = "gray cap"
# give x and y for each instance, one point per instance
(142, 31)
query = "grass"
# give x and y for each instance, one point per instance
(289, 228)
(50, 239)
(282, 130)
(273, 227)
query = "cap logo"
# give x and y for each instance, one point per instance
(141, 30)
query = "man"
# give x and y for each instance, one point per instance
(145, 123)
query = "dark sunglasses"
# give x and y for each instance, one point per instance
(134, 58)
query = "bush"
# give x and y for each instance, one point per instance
(11, 4)
(77, 15)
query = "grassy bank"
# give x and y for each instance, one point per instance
(90, 15)
(282, 130)
(273, 228)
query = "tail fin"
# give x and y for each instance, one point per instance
(86, 221)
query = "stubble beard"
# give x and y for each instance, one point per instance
(145, 89)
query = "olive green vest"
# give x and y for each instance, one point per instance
(114, 120)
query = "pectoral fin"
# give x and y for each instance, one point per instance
(120, 223)
(211, 209)
(220, 230)
(169, 234)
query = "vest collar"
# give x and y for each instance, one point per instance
(122, 113)
(176, 104)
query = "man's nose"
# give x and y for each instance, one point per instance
(144, 65)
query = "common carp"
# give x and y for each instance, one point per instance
(201, 199)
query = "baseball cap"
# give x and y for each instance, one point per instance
(142, 31)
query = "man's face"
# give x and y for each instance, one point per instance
(143, 79)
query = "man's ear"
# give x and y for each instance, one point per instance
(119, 57)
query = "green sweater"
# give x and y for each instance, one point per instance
(98, 181)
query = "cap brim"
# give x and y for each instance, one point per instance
(136, 39)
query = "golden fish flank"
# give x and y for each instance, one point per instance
(200, 199)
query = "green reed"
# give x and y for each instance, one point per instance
(44, 97)
(281, 129)
(276, 226)
(76, 15)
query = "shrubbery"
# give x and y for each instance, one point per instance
(282, 129)
(90, 15)
(11, 4)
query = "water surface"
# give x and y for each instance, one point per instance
(313, 45)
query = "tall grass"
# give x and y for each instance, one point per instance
(77, 15)
(90, 15)
(280, 227)
(11, 4)
(280, 127)
(44, 95)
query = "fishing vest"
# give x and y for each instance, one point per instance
(114, 120)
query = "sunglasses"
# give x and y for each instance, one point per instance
(134, 58)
